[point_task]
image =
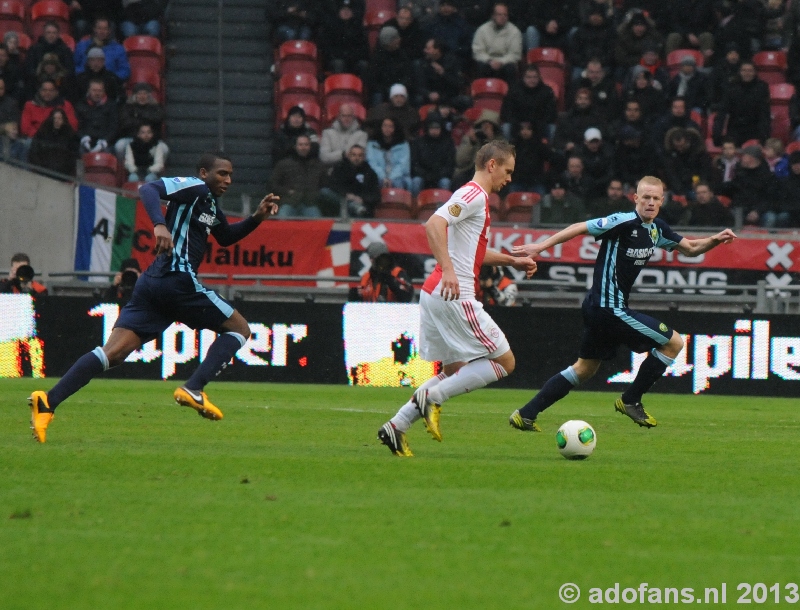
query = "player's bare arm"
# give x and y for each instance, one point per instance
(533, 250)
(436, 230)
(522, 263)
(268, 207)
(696, 247)
(164, 243)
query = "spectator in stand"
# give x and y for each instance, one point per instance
(686, 161)
(412, 38)
(398, 109)
(757, 20)
(690, 84)
(652, 102)
(531, 100)
(433, 157)
(388, 65)
(450, 27)
(533, 153)
(724, 73)
(141, 107)
(551, 22)
(635, 33)
(294, 125)
(650, 61)
(297, 179)
(495, 288)
(593, 41)
(97, 119)
(390, 156)
(96, 68)
(678, 116)
(9, 124)
(575, 179)
(598, 161)
(744, 109)
(49, 42)
(292, 19)
(145, 156)
(776, 158)
(54, 146)
(791, 190)
(343, 43)
(560, 207)
(10, 73)
(724, 166)
(614, 201)
(439, 79)
(572, 126)
(84, 14)
(475, 12)
(50, 68)
(633, 158)
(596, 79)
(691, 23)
(11, 43)
(485, 128)
(330, 8)
(141, 17)
(384, 281)
(756, 191)
(341, 136)
(706, 210)
(36, 111)
(116, 59)
(423, 10)
(354, 184)
(730, 30)
(497, 46)
(121, 287)
(631, 115)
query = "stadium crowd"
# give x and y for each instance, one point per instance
(593, 93)
(68, 88)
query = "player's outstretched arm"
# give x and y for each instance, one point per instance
(533, 250)
(436, 230)
(228, 234)
(696, 247)
(522, 263)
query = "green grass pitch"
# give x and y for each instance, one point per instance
(290, 502)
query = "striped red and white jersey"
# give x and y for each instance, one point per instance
(467, 216)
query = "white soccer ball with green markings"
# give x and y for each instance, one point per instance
(576, 439)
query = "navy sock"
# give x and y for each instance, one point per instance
(650, 372)
(85, 368)
(217, 358)
(554, 390)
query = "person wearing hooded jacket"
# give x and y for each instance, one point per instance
(294, 125)
(433, 157)
(686, 161)
(389, 155)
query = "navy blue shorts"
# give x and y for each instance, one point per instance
(606, 328)
(157, 302)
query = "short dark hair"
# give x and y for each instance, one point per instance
(207, 159)
(53, 23)
(21, 257)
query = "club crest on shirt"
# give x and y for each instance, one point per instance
(455, 210)
(494, 332)
(662, 327)
(654, 234)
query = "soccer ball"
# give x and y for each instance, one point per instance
(576, 439)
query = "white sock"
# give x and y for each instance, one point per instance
(408, 413)
(471, 376)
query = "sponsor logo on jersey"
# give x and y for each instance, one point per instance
(455, 210)
(639, 252)
(207, 219)
(601, 223)
(634, 233)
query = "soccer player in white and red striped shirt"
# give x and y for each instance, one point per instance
(454, 328)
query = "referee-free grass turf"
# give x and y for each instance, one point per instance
(290, 502)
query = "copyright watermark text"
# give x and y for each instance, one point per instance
(742, 593)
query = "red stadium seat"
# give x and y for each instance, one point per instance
(12, 16)
(752, 142)
(674, 59)
(144, 52)
(551, 63)
(297, 56)
(792, 147)
(100, 168)
(373, 22)
(726, 201)
(340, 88)
(781, 93)
(309, 105)
(558, 92)
(395, 203)
(381, 5)
(771, 66)
(332, 110)
(488, 92)
(299, 82)
(145, 75)
(781, 124)
(698, 118)
(424, 110)
(430, 200)
(518, 207)
(495, 205)
(48, 10)
(712, 149)
(24, 44)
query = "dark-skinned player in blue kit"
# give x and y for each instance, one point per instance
(628, 241)
(170, 291)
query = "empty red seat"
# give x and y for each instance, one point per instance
(771, 66)
(488, 92)
(395, 203)
(144, 52)
(12, 16)
(518, 207)
(300, 82)
(48, 10)
(781, 123)
(430, 200)
(781, 93)
(792, 147)
(100, 168)
(297, 56)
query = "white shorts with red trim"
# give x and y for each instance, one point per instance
(458, 331)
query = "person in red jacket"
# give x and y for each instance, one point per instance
(36, 111)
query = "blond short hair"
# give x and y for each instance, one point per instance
(652, 180)
(499, 150)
